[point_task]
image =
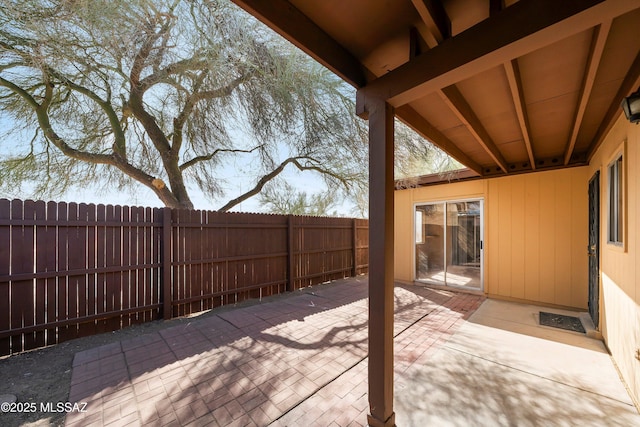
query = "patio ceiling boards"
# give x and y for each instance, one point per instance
(502, 86)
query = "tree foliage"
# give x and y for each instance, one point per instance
(165, 94)
(280, 197)
(414, 156)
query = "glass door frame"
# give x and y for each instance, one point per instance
(446, 202)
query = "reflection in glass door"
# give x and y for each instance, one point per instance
(449, 243)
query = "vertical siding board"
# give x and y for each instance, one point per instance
(506, 254)
(579, 240)
(492, 235)
(547, 237)
(518, 226)
(532, 234)
(563, 217)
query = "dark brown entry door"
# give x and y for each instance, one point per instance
(594, 248)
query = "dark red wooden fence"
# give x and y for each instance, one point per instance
(69, 270)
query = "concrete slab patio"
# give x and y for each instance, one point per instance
(300, 360)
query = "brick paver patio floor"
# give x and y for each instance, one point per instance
(289, 361)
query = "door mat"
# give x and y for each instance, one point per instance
(561, 321)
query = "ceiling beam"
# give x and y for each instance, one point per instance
(630, 83)
(415, 121)
(435, 18)
(289, 22)
(600, 35)
(461, 108)
(517, 93)
(524, 27)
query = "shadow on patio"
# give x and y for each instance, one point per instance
(252, 365)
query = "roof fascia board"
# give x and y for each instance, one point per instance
(292, 24)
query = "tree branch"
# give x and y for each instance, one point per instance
(207, 157)
(271, 175)
(180, 120)
(42, 113)
(20, 92)
(175, 68)
(222, 91)
(120, 145)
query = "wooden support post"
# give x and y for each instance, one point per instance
(166, 264)
(290, 269)
(381, 187)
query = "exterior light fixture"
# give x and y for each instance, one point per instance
(631, 107)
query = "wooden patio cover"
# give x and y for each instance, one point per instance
(503, 86)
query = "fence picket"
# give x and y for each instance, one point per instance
(88, 213)
(75, 262)
(40, 284)
(5, 263)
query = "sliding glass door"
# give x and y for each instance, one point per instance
(449, 243)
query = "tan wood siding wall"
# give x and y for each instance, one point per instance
(536, 237)
(620, 266)
(535, 234)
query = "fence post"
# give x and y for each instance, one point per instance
(166, 263)
(290, 281)
(355, 248)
